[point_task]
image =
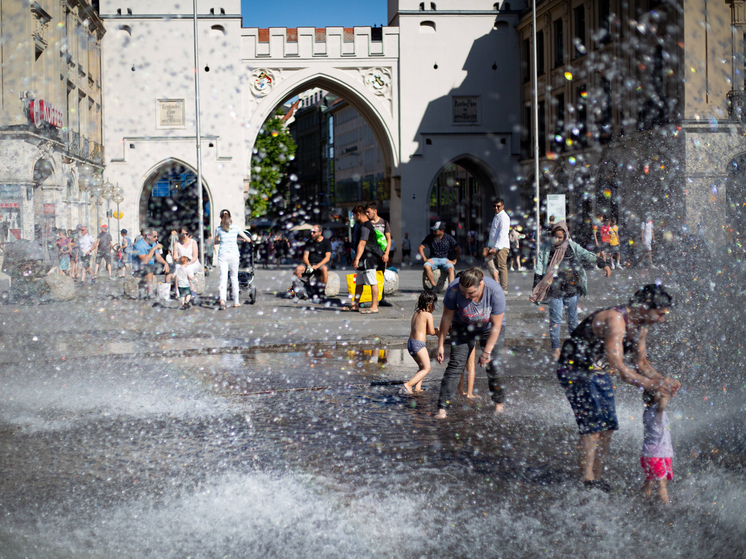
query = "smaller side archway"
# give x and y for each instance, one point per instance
(169, 199)
(461, 195)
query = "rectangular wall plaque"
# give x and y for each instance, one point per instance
(466, 110)
(170, 113)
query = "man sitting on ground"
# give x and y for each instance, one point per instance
(148, 252)
(316, 255)
(441, 244)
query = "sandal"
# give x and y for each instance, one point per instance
(368, 311)
(348, 309)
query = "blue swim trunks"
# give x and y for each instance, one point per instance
(591, 398)
(413, 346)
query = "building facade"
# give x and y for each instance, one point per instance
(639, 112)
(50, 116)
(150, 126)
(358, 166)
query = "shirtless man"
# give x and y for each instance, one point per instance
(594, 352)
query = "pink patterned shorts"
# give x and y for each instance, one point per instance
(657, 468)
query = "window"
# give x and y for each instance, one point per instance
(604, 13)
(217, 31)
(605, 123)
(579, 132)
(540, 53)
(526, 132)
(427, 27)
(579, 42)
(526, 61)
(542, 128)
(559, 43)
(559, 122)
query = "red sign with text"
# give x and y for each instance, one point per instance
(43, 111)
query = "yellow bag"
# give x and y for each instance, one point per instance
(366, 296)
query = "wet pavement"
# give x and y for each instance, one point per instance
(275, 430)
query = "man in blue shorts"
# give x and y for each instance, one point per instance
(441, 245)
(594, 351)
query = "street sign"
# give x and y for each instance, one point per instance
(556, 207)
(118, 215)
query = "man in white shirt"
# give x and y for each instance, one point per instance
(498, 245)
(85, 247)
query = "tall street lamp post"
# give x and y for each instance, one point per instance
(118, 199)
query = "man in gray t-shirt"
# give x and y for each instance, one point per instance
(102, 250)
(474, 312)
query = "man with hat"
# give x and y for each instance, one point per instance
(441, 245)
(102, 248)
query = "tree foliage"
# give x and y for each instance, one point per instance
(270, 164)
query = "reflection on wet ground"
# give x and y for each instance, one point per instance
(312, 452)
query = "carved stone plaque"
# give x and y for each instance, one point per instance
(170, 113)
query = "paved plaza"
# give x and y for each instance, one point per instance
(101, 320)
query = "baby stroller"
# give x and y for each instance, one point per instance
(246, 268)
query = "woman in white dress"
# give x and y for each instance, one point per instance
(226, 238)
(187, 246)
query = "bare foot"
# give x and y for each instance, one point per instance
(441, 414)
(417, 390)
(405, 390)
(499, 408)
(556, 354)
(470, 396)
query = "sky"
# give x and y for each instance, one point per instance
(313, 13)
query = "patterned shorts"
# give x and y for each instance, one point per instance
(657, 468)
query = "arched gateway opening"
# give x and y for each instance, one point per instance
(461, 195)
(169, 199)
(370, 106)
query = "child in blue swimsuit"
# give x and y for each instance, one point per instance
(422, 326)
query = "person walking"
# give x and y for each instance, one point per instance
(209, 251)
(592, 354)
(406, 250)
(561, 268)
(102, 248)
(648, 240)
(64, 248)
(474, 308)
(515, 237)
(85, 248)
(614, 245)
(498, 245)
(125, 250)
(226, 237)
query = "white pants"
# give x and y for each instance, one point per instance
(226, 262)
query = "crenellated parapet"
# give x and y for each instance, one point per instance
(312, 42)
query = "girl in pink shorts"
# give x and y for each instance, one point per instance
(657, 451)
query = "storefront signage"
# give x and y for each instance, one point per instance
(9, 205)
(49, 209)
(466, 110)
(43, 111)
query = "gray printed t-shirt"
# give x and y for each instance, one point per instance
(468, 312)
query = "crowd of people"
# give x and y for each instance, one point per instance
(474, 306)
